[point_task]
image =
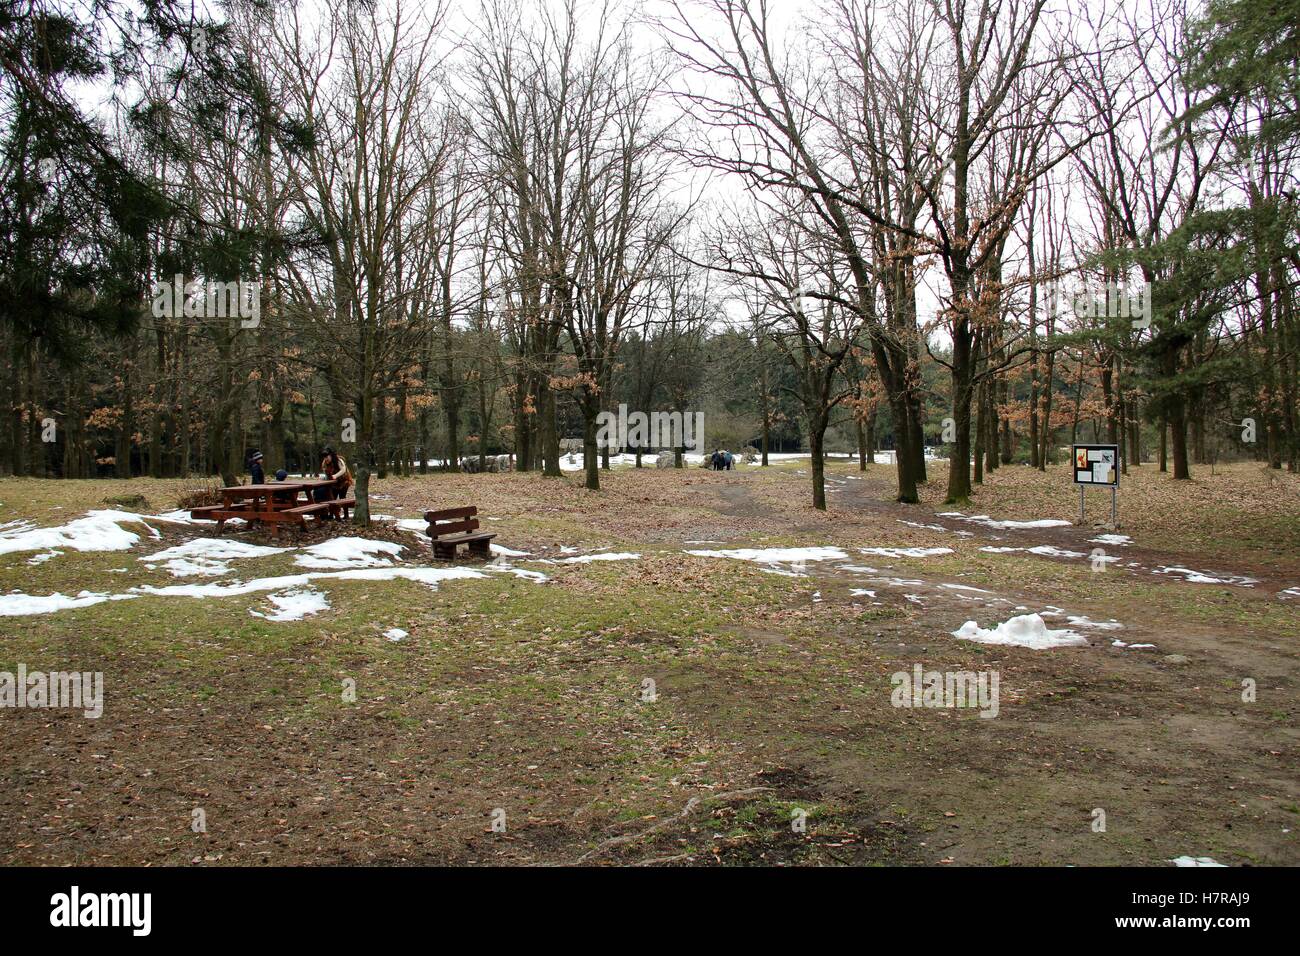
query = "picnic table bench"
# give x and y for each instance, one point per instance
(455, 526)
(274, 503)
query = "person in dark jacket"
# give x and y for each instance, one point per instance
(255, 468)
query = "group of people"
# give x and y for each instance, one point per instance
(332, 466)
(722, 460)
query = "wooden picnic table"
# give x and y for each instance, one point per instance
(274, 502)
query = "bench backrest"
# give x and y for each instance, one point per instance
(451, 520)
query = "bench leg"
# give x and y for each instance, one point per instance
(221, 523)
(444, 552)
(481, 548)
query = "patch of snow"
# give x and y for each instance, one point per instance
(964, 587)
(21, 605)
(395, 634)
(1118, 539)
(337, 553)
(42, 558)
(1025, 630)
(1047, 551)
(509, 552)
(96, 531)
(1081, 621)
(862, 592)
(610, 556)
(906, 552)
(1193, 861)
(294, 605)
(1005, 525)
(1289, 593)
(1052, 552)
(917, 524)
(775, 555)
(429, 576)
(1201, 577)
(207, 556)
(498, 567)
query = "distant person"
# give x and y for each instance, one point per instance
(715, 461)
(729, 460)
(334, 467)
(255, 469)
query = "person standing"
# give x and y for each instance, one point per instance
(255, 468)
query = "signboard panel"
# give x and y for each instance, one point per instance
(1096, 465)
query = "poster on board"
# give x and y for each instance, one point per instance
(1096, 465)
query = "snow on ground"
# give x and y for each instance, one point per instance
(1117, 539)
(605, 556)
(1193, 861)
(1050, 551)
(509, 552)
(775, 555)
(43, 557)
(1025, 630)
(1005, 525)
(1078, 620)
(21, 605)
(96, 531)
(501, 567)
(395, 634)
(900, 582)
(338, 553)
(429, 576)
(1289, 593)
(208, 557)
(294, 605)
(906, 552)
(418, 525)
(1202, 577)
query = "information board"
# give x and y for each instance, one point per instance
(1096, 465)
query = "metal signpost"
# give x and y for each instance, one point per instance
(1097, 466)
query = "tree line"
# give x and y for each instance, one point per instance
(986, 225)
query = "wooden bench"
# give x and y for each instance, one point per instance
(454, 526)
(320, 507)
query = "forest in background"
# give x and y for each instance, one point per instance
(471, 229)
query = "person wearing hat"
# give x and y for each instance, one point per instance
(255, 467)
